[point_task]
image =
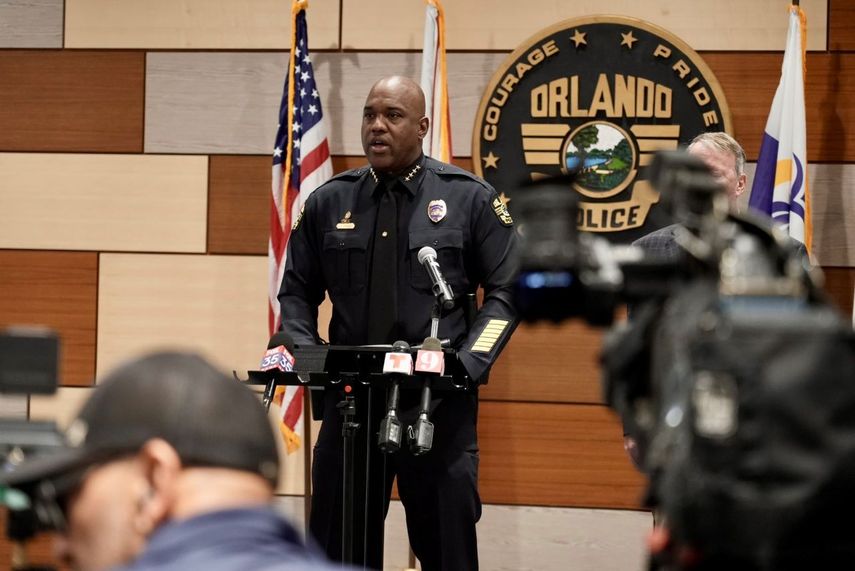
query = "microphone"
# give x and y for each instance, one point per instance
(279, 353)
(441, 289)
(279, 356)
(398, 362)
(431, 360)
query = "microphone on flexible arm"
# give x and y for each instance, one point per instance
(279, 356)
(441, 289)
(430, 359)
(398, 362)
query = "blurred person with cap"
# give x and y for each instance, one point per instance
(170, 465)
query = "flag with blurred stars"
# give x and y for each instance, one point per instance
(301, 163)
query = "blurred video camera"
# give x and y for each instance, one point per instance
(29, 364)
(734, 372)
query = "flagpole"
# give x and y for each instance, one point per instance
(298, 6)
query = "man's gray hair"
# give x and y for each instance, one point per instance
(723, 142)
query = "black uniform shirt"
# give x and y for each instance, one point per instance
(442, 206)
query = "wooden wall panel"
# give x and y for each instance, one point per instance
(71, 101)
(194, 24)
(62, 407)
(57, 290)
(833, 212)
(103, 202)
(840, 285)
(512, 538)
(227, 103)
(216, 305)
(555, 455)
(239, 204)
(211, 102)
(31, 23)
(704, 25)
(833, 203)
(841, 25)
(749, 82)
(548, 363)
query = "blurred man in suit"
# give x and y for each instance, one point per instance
(725, 158)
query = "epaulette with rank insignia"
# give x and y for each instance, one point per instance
(445, 169)
(352, 174)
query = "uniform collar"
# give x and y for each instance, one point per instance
(410, 178)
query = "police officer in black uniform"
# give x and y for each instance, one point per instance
(357, 239)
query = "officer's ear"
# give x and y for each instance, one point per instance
(161, 467)
(424, 124)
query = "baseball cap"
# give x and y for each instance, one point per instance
(209, 418)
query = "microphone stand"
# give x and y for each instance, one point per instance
(356, 372)
(347, 408)
(435, 313)
(421, 432)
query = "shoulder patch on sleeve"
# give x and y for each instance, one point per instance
(500, 207)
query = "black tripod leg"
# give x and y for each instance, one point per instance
(347, 408)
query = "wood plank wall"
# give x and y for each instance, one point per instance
(134, 181)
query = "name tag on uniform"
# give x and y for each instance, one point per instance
(346, 223)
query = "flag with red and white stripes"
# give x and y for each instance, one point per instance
(301, 163)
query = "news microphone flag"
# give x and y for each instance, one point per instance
(277, 358)
(434, 82)
(398, 362)
(780, 187)
(301, 163)
(430, 362)
(430, 358)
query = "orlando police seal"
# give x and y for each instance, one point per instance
(597, 96)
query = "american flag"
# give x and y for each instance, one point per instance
(301, 163)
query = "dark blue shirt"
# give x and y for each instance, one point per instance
(441, 206)
(256, 539)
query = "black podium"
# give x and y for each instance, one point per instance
(357, 372)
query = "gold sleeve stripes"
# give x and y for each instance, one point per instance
(491, 334)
